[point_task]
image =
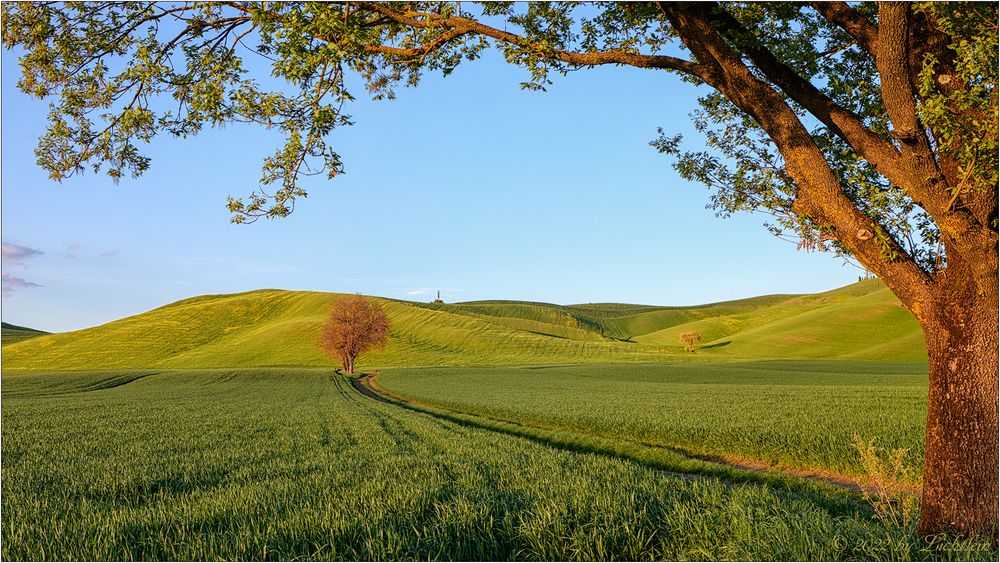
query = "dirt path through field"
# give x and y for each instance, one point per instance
(361, 385)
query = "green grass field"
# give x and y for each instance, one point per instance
(278, 328)
(261, 464)
(791, 414)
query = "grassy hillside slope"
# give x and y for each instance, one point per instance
(642, 323)
(862, 320)
(278, 328)
(10, 333)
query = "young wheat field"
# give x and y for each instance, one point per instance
(272, 464)
(796, 414)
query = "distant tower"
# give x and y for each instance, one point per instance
(438, 300)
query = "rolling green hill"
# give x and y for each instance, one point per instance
(862, 320)
(278, 328)
(12, 333)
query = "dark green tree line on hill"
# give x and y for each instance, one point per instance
(869, 130)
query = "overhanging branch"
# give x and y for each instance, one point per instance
(457, 26)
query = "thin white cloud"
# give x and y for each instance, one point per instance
(10, 283)
(73, 250)
(108, 254)
(17, 254)
(420, 291)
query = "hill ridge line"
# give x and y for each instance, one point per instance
(279, 327)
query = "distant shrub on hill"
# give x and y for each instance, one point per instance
(690, 340)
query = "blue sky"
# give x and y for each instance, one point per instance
(465, 184)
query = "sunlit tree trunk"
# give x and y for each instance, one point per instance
(960, 488)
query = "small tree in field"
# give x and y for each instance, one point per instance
(690, 340)
(355, 326)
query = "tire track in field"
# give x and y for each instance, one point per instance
(388, 419)
(747, 470)
(360, 385)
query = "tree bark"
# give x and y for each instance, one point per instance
(960, 488)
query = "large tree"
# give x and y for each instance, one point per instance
(869, 130)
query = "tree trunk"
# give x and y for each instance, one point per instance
(960, 489)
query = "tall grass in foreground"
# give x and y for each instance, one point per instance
(293, 464)
(886, 469)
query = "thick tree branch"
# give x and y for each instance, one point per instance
(458, 26)
(892, 61)
(914, 169)
(844, 123)
(819, 196)
(965, 236)
(847, 18)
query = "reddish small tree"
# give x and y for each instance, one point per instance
(355, 326)
(690, 340)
